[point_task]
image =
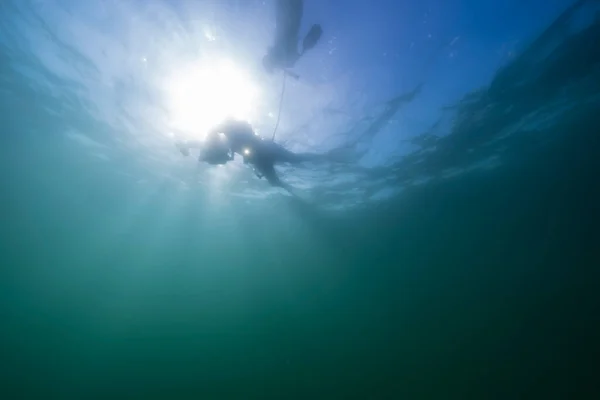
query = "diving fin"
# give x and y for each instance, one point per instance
(312, 38)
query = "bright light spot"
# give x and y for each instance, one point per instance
(204, 94)
(247, 151)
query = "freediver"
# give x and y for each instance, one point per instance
(237, 137)
(284, 54)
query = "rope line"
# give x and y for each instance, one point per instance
(280, 106)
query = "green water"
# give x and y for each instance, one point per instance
(482, 285)
(478, 285)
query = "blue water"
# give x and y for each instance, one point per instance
(453, 254)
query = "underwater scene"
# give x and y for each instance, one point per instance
(299, 199)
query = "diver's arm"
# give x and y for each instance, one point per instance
(269, 173)
(275, 181)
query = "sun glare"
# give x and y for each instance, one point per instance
(203, 94)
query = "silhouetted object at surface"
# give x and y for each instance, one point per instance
(284, 54)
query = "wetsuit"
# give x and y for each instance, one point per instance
(261, 154)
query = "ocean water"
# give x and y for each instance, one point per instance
(455, 256)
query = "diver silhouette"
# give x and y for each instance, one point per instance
(238, 137)
(284, 54)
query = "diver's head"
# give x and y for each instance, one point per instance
(215, 150)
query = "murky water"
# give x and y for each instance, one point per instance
(455, 257)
